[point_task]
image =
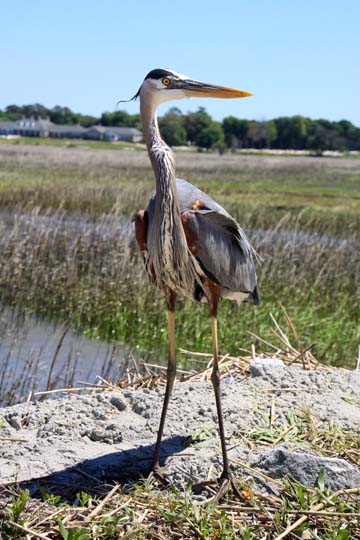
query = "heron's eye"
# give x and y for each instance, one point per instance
(166, 81)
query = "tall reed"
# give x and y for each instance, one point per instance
(88, 270)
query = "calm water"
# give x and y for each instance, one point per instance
(118, 226)
(28, 348)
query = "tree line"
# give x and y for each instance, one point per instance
(199, 129)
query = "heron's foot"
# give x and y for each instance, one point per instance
(225, 482)
(225, 485)
(159, 473)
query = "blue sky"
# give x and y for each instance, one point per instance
(297, 57)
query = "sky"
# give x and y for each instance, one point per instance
(296, 57)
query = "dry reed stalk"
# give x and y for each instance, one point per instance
(56, 353)
(146, 510)
(315, 508)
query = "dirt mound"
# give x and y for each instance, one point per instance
(101, 436)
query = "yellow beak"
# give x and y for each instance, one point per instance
(199, 89)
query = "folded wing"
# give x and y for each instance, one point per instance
(220, 245)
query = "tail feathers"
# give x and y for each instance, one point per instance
(256, 296)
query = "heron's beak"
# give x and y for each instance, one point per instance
(199, 89)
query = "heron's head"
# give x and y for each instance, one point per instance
(165, 85)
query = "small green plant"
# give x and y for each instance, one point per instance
(17, 507)
(49, 497)
(199, 436)
(83, 498)
(75, 533)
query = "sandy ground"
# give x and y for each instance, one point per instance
(80, 440)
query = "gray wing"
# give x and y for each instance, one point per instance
(224, 252)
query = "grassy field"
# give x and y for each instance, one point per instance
(68, 253)
(72, 143)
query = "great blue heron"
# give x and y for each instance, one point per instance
(191, 246)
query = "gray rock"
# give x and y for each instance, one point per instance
(262, 367)
(15, 421)
(306, 468)
(108, 435)
(118, 403)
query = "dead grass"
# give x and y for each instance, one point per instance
(143, 512)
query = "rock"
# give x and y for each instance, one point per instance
(108, 435)
(306, 468)
(261, 367)
(118, 403)
(15, 421)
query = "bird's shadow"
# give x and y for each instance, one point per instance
(98, 475)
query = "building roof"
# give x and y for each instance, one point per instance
(65, 128)
(124, 130)
(99, 129)
(47, 125)
(27, 123)
(7, 124)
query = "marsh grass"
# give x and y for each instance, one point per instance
(72, 143)
(69, 253)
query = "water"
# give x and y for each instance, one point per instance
(74, 224)
(28, 347)
(105, 226)
(298, 238)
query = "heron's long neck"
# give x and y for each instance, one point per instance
(161, 156)
(173, 264)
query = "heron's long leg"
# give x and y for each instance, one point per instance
(215, 379)
(226, 477)
(170, 376)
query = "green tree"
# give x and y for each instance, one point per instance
(236, 132)
(63, 115)
(321, 136)
(86, 120)
(14, 110)
(7, 116)
(262, 134)
(291, 132)
(210, 135)
(195, 123)
(172, 128)
(35, 110)
(349, 134)
(120, 119)
(201, 130)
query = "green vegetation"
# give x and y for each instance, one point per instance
(73, 143)
(146, 513)
(199, 129)
(68, 255)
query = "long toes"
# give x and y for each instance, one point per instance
(236, 491)
(204, 484)
(159, 474)
(224, 486)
